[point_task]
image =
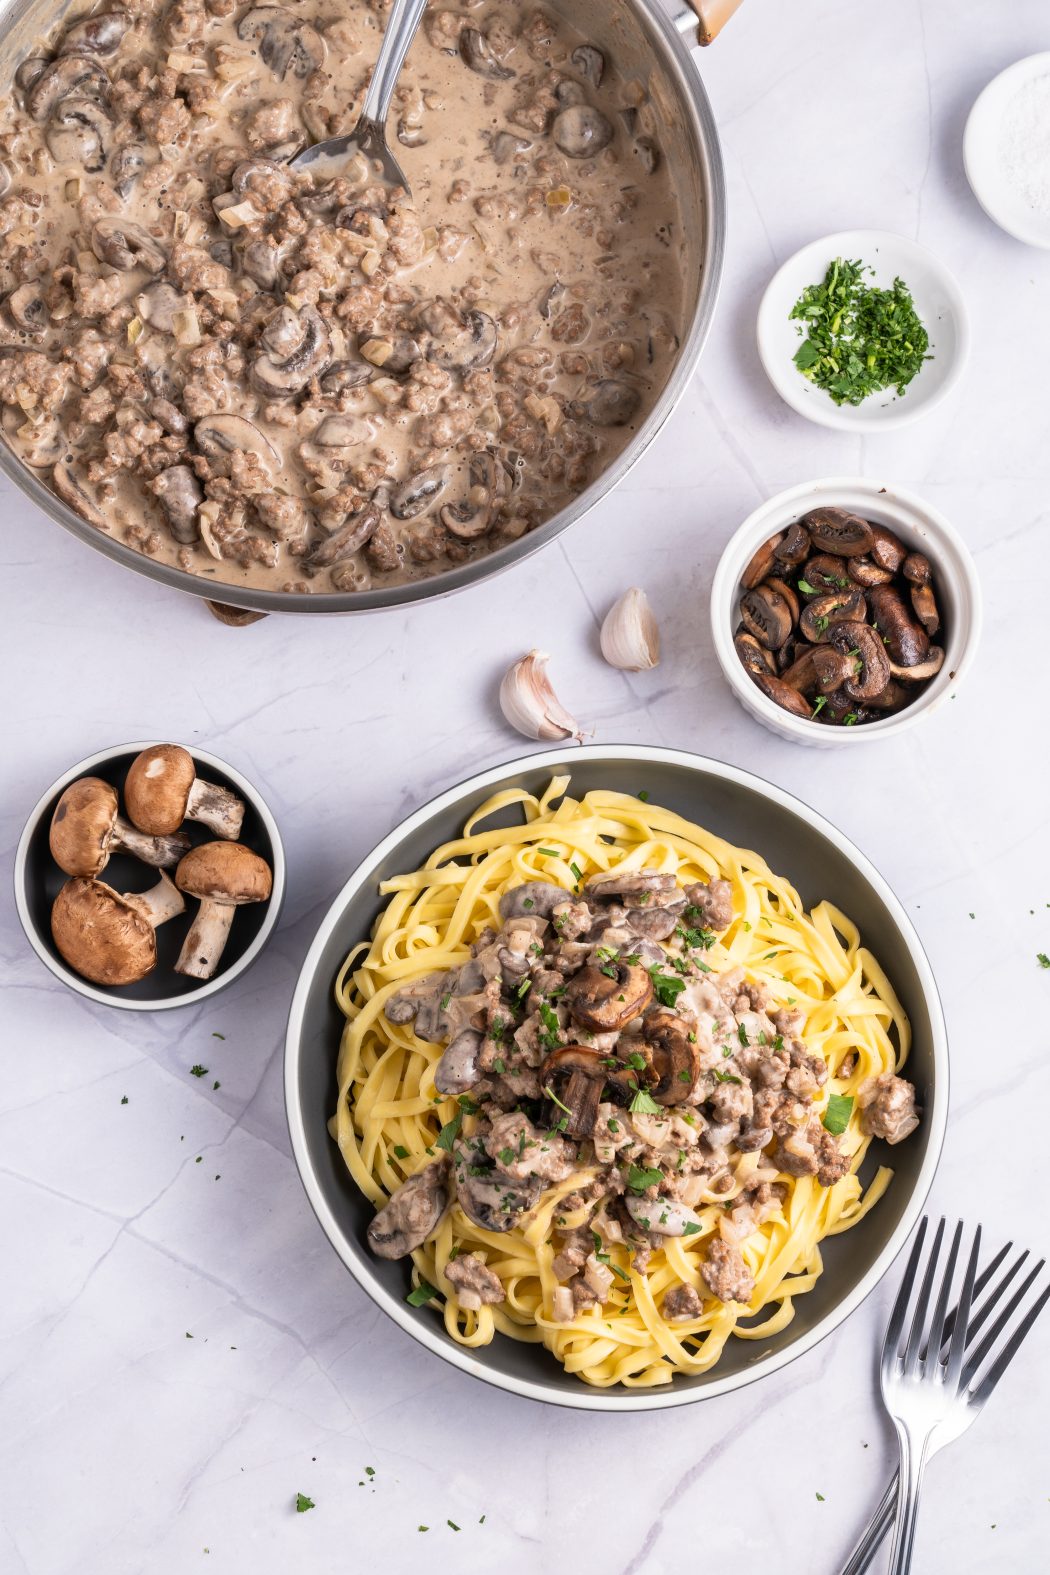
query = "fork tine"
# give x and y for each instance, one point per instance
(900, 1306)
(1010, 1350)
(940, 1310)
(957, 1349)
(986, 1306)
(985, 1347)
(918, 1321)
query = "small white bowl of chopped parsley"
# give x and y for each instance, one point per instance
(863, 330)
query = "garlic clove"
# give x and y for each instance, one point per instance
(530, 704)
(630, 635)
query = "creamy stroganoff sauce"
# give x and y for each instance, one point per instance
(314, 383)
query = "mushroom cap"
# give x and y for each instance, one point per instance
(157, 788)
(225, 872)
(82, 825)
(101, 936)
(602, 1001)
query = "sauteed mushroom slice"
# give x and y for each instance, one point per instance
(822, 613)
(676, 1060)
(180, 495)
(533, 898)
(920, 672)
(287, 43)
(576, 1074)
(865, 571)
(126, 165)
(782, 694)
(101, 34)
(752, 653)
(783, 589)
(647, 153)
(823, 573)
(344, 375)
(839, 532)
(916, 568)
(581, 131)
(125, 246)
(28, 308)
(489, 485)
(623, 1079)
(348, 539)
(65, 76)
(629, 883)
(506, 144)
(458, 1068)
(590, 63)
(767, 616)
(608, 998)
(906, 641)
(472, 346)
(222, 433)
(662, 1216)
(71, 488)
(612, 403)
(793, 547)
(491, 1200)
(415, 494)
(78, 133)
(282, 373)
(477, 53)
(869, 664)
(887, 550)
(413, 1212)
(762, 562)
(821, 670)
(924, 605)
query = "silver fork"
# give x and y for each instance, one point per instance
(935, 1386)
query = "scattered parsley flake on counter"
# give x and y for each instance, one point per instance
(123, 1099)
(422, 1528)
(820, 1498)
(216, 1035)
(370, 1471)
(452, 1523)
(198, 1159)
(836, 1117)
(859, 340)
(198, 1070)
(1042, 959)
(302, 1504)
(421, 1295)
(216, 1085)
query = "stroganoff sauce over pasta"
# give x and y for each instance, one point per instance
(610, 1085)
(317, 385)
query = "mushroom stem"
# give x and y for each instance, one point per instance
(162, 852)
(160, 903)
(206, 939)
(215, 807)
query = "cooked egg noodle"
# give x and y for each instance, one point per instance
(389, 1113)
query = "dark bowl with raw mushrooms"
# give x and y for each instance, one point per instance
(845, 610)
(149, 876)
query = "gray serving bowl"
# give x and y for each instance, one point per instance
(38, 880)
(820, 862)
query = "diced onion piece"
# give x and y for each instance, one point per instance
(135, 330)
(559, 197)
(185, 326)
(370, 263)
(240, 214)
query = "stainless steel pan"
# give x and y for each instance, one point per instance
(648, 38)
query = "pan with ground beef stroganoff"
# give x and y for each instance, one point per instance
(305, 384)
(610, 1085)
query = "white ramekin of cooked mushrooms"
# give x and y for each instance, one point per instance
(844, 610)
(149, 876)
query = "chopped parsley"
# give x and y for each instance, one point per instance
(690, 1228)
(613, 1124)
(421, 1295)
(523, 988)
(821, 700)
(635, 1060)
(858, 339)
(703, 939)
(549, 853)
(741, 1033)
(507, 1156)
(643, 795)
(450, 1132)
(551, 1033)
(467, 1104)
(198, 1070)
(820, 1498)
(499, 1065)
(640, 1178)
(452, 1523)
(666, 986)
(124, 1099)
(1042, 959)
(576, 870)
(807, 589)
(302, 1504)
(552, 1096)
(725, 1077)
(644, 1104)
(836, 1117)
(401, 1151)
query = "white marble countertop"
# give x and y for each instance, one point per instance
(180, 1350)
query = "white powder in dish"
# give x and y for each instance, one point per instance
(1024, 144)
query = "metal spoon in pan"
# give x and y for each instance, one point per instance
(369, 135)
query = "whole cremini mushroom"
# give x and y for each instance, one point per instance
(163, 789)
(87, 829)
(224, 876)
(108, 937)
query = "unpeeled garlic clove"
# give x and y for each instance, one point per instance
(530, 704)
(630, 636)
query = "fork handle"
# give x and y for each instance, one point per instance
(912, 1465)
(401, 25)
(877, 1527)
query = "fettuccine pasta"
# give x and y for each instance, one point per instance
(391, 1122)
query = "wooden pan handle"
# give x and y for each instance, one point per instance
(712, 16)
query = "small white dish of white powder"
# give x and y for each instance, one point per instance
(1006, 149)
